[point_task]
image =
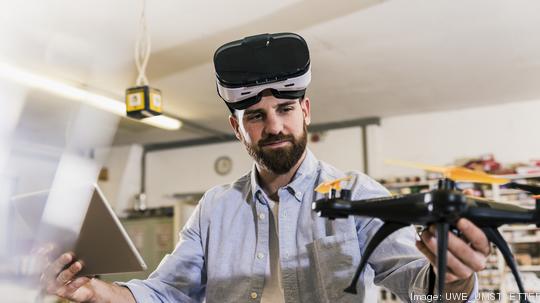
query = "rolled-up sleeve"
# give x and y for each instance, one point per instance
(181, 275)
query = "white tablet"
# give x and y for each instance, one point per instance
(102, 243)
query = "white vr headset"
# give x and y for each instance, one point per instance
(276, 62)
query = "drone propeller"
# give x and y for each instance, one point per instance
(462, 174)
(456, 173)
(326, 187)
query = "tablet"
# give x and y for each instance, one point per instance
(103, 244)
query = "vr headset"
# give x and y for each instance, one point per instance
(247, 67)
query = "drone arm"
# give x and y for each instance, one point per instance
(387, 229)
(442, 248)
(535, 190)
(496, 238)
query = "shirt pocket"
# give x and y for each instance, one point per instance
(333, 262)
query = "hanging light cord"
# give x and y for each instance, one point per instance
(142, 48)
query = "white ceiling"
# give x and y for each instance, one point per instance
(369, 58)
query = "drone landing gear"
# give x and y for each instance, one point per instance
(496, 238)
(387, 229)
(442, 248)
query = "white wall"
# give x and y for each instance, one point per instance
(511, 132)
(190, 170)
(342, 148)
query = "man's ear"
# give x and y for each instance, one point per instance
(306, 110)
(233, 121)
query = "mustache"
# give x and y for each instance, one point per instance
(275, 138)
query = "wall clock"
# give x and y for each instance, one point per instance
(223, 165)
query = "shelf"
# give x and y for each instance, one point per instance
(509, 191)
(530, 239)
(529, 267)
(510, 228)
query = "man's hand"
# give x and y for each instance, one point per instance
(463, 259)
(61, 281)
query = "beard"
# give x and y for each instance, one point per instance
(278, 160)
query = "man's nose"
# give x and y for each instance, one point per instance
(274, 124)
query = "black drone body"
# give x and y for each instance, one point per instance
(441, 207)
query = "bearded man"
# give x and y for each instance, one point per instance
(257, 239)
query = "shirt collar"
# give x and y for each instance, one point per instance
(299, 183)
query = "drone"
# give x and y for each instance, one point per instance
(442, 207)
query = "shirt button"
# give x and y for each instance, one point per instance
(260, 255)
(286, 255)
(254, 295)
(262, 216)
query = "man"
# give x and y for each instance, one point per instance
(257, 239)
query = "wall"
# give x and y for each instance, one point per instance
(509, 131)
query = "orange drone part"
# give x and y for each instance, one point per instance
(326, 187)
(463, 174)
(456, 173)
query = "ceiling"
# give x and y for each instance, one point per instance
(369, 58)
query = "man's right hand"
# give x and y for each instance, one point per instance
(63, 282)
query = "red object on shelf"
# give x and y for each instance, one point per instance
(535, 162)
(485, 163)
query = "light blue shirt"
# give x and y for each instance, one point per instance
(223, 248)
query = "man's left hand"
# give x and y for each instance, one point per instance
(463, 259)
